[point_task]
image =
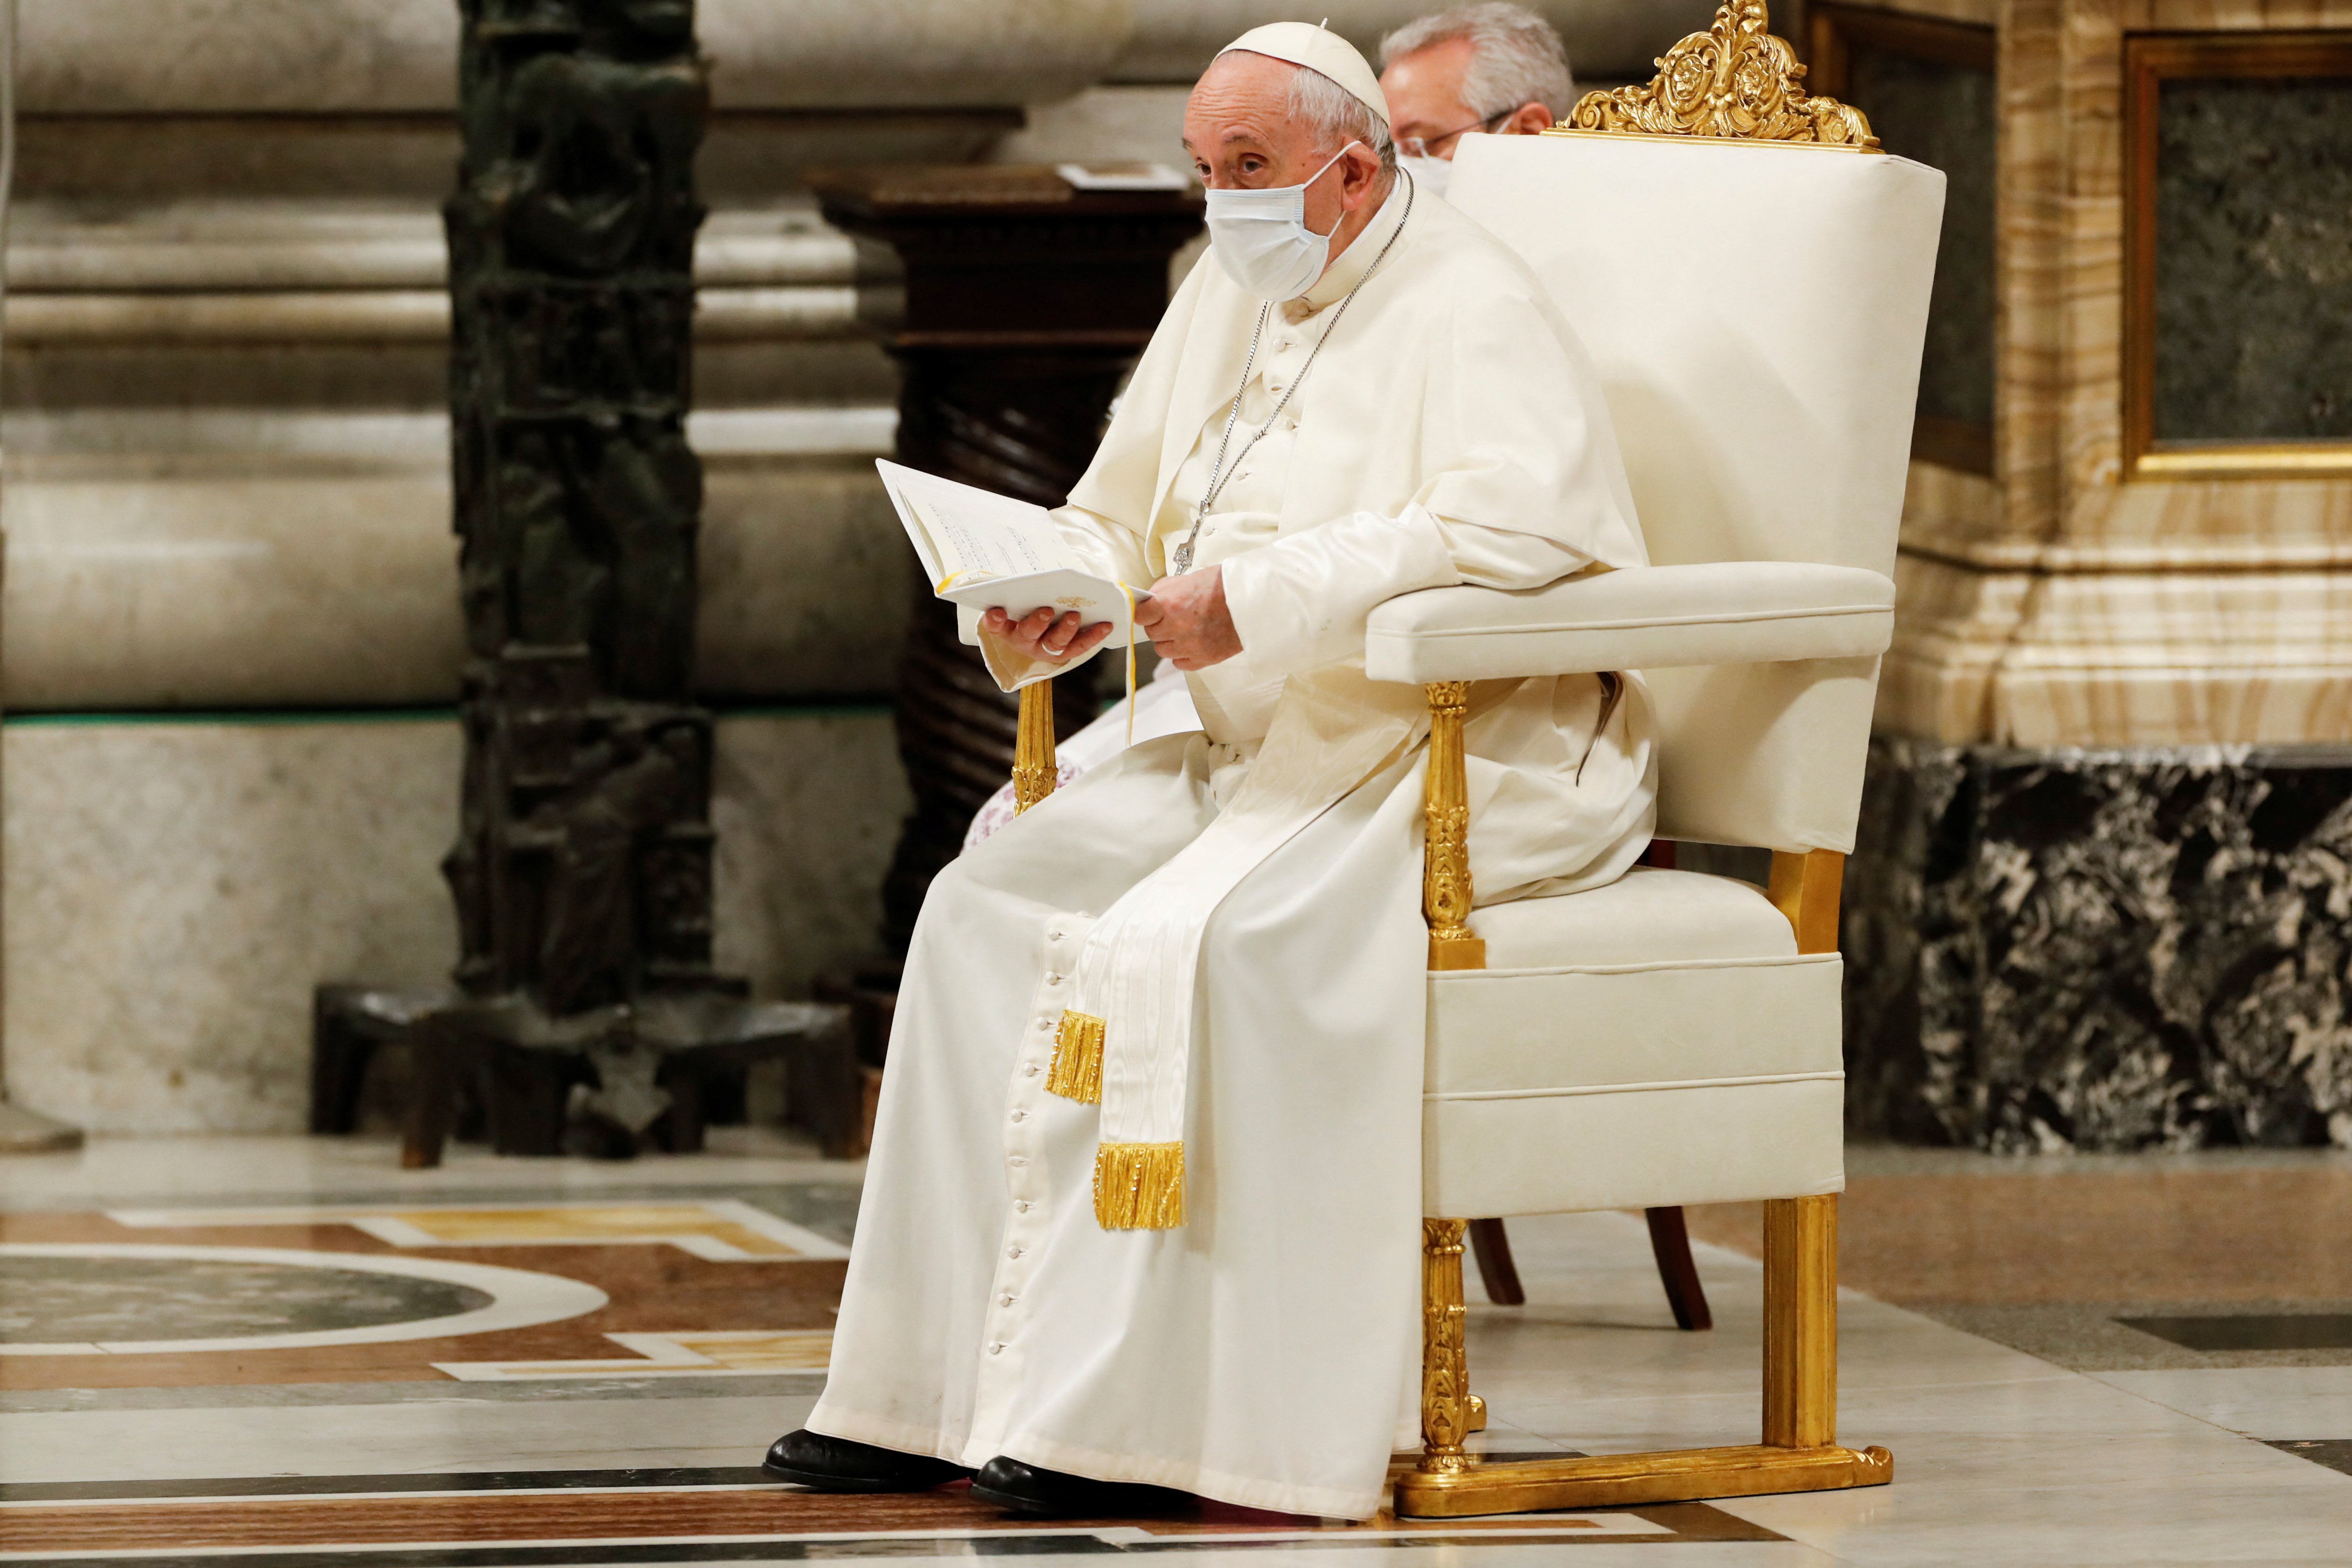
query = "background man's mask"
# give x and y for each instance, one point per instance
(1262, 240)
(1431, 174)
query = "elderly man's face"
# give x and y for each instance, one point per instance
(1424, 93)
(1238, 128)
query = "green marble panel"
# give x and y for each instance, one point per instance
(1945, 115)
(2253, 265)
(103, 1299)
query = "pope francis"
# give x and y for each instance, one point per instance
(1142, 1218)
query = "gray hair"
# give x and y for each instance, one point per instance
(1338, 116)
(1516, 57)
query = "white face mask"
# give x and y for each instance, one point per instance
(1262, 240)
(1431, 174)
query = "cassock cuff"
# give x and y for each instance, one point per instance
(1301, 602)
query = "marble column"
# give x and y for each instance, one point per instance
(2101, 901)
(22, 1131)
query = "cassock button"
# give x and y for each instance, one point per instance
(996, 1349)
(1029, 1071)
(1005, 1300)
(1022, 1204)
(1013, 1252)
(1021, 1115)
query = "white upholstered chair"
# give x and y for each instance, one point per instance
(1751, 278)
(1756, 309)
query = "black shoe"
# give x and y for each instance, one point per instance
(1017, 1488)
(838, 1464)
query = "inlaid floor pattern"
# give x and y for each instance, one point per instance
(285, 1352)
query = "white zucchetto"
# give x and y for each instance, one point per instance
(1320, 50)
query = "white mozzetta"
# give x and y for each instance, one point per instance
(1728, 612)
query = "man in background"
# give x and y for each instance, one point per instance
(1492, 66)
(1495, 67)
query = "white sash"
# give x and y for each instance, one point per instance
(1126, 1040)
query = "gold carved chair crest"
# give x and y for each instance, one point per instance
(1734, 81)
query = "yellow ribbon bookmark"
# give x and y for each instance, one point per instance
(1131, 661)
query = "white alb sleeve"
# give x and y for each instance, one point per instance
(1301, 601)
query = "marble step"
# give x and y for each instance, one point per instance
(308, 247)
(210, 559)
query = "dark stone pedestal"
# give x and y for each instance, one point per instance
(2106, 949)
(1026, 301)
(587, 1008)
(601, 1082)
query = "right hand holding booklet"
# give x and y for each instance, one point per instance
(991, 552)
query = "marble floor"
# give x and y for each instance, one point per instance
(289, 1351)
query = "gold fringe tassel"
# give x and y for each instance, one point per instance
(1139, 1186)
(1076, 1073)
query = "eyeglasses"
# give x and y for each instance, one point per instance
(1427, 146)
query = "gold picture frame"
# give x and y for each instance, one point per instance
(2151, 59)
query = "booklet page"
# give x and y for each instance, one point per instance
(966, 535)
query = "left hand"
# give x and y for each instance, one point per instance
(1188, 621)
(1040, 634)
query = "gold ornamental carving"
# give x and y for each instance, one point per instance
(1734, 81)
(1445, 1397)
(1446, 894)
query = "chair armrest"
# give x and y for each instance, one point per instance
(1640, 617)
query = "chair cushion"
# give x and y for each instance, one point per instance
(1644, 916)
(1656, 1041)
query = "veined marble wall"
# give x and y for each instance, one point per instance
(2218, 600)
(2099, 900)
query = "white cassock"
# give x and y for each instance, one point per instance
(1265, 1351)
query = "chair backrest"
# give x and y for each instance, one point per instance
(1757, 310)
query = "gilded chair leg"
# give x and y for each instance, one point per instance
(1799, 1453)
(1801, 1321)
(1446, 886)
(1445, 1402)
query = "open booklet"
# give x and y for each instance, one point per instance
(991, 552)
